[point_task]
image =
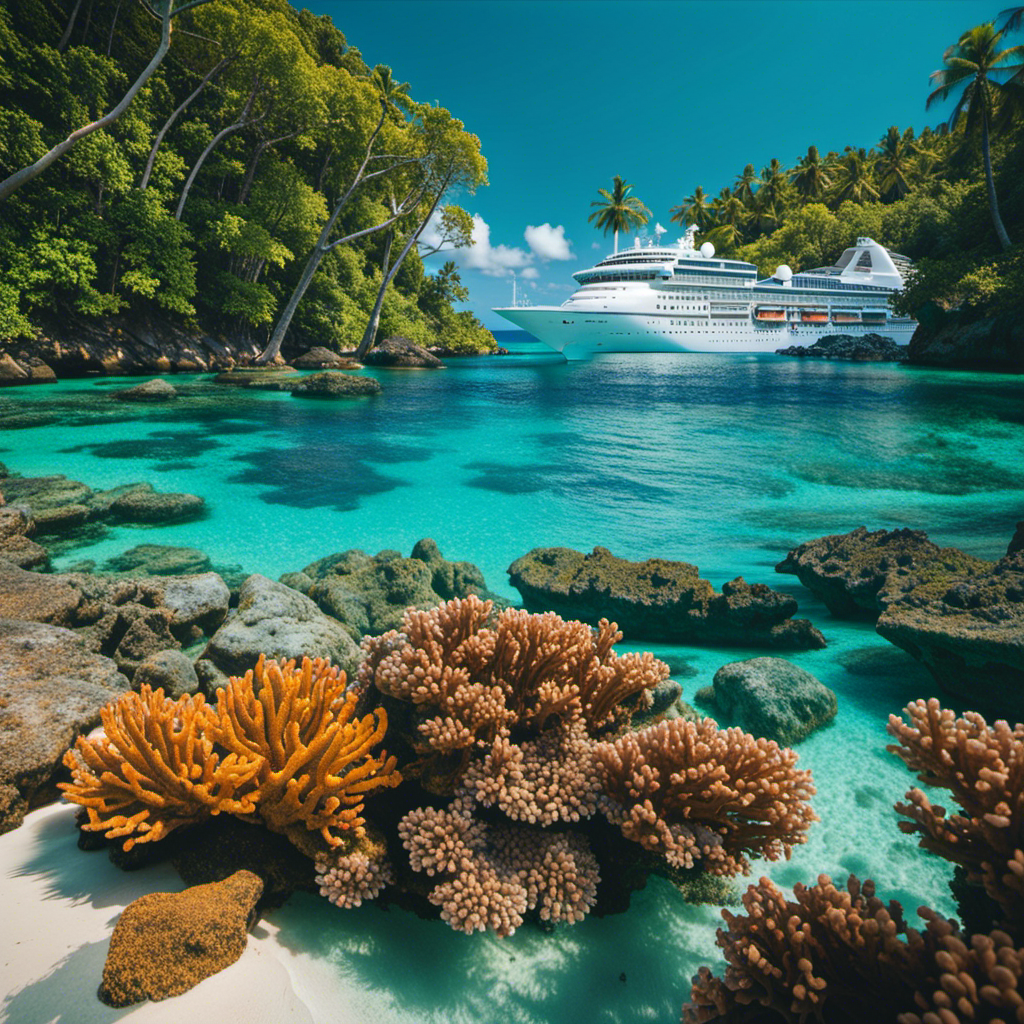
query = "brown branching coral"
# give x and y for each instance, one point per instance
(694, 792)
(491, 875)
(845, 957)
(983, 767)
(348, 879)
(482, 676)
(314, 758)
(156, 769)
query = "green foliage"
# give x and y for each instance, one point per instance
(85, 239)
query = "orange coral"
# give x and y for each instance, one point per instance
(314, 756)
(155, 769)
(983, 767)
(692, 791)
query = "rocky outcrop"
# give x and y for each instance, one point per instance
(659, 600)
(25, 369)
(335, 385)
(275, 620)
(368, 594)
(1017, 540)
(159, 560)
(773, 698)
(963, 618)
(152, 391)
(149, 506)
(846, 571)
(171, 670)
(866, 348)
(16, 544)
(166, 943)
(962, 339)
(274, 377)
(320, 358)
(401, 352)
(51, 690)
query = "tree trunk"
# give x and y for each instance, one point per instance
(616, 237)
(210, 75)
(66, 38)
(370, 334)
(250, 172)
(113, 25)
(222, 134)
(19, 178)
(993, 202)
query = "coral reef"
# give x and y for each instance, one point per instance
(313, 755)
(983, 767)
(155, 769)
(346, 879)
(692, 791)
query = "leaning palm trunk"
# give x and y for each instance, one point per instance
(990, 185)
(26, 174)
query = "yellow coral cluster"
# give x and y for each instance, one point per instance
(283, 743)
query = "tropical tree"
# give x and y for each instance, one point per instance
(166, 11)
(810, 177)
(897, 161)
(855, 181)
(694, 209)
(775, 185)
(745, 184)
(395, 94)
(617, 210)
(974, 62)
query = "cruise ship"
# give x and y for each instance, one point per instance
(686, 299)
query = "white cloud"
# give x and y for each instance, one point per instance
(530, 274)
(547, 242)
(493, 260)
(596, 245)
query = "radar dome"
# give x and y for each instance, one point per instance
(707, 250)
(784, 272)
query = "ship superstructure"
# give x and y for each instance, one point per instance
(686, 299)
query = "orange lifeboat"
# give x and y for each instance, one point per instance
(775, 315)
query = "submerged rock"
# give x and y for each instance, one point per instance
(863, 348)
(51, 690)
(773, 698)
(368, 594)
(335, 385)
(159, 560)
(847, 570)
(157, 390)
(275, 620)
(262, 378)
(320, 358)
(659, 600)
(401, 352)
(140, 506)
(166, 943)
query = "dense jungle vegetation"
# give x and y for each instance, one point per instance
(262, 170)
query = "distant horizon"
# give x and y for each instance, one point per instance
(558, 121)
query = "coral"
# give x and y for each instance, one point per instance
(482, 677)
(844, 957)
(155, 769)
(348, 879)
(314, 756)
(553, 778)
(692, 791)
(491, 875)
(983, 767)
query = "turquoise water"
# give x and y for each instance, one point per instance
(725, 461)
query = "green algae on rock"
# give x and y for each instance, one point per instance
(659, 600)
(335, 385)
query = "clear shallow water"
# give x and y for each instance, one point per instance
(725, 461)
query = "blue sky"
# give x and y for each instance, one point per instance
(566, 93)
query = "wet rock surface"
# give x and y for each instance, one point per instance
(368, 593)
(171, 671)
(773, 698)
(159, 560)
(659, 600)
(320, 358)
(865, 348)
(166, 943)
(51, 690)
(157, 390)
(16, 544)
(335, 385)
(401, 352)
(276, 377)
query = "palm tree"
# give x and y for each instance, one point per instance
(898, 158)
(809, 175)
(744, 187)
(729, 213)
(855, 183)
(971, 62)
(774, 184)
(694, 209)
(618, 210)
(394, 94)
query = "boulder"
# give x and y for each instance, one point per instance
(166, 943)
(38, 597)
(157, 390)
(170, 670)
(51, 690)
(16, 545)
(265, 378)
(864, 348)
(774, 699)
(963, 618)
(659, 600)
(11, 372)
(335, 385)
(400, 352)
(846, 571)
(320, 358)
(274, 620)
(195, 602)
(159, 560)
(368, 594)
(142, 506)
(61, 519)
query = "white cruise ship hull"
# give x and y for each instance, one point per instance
(580, 334)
